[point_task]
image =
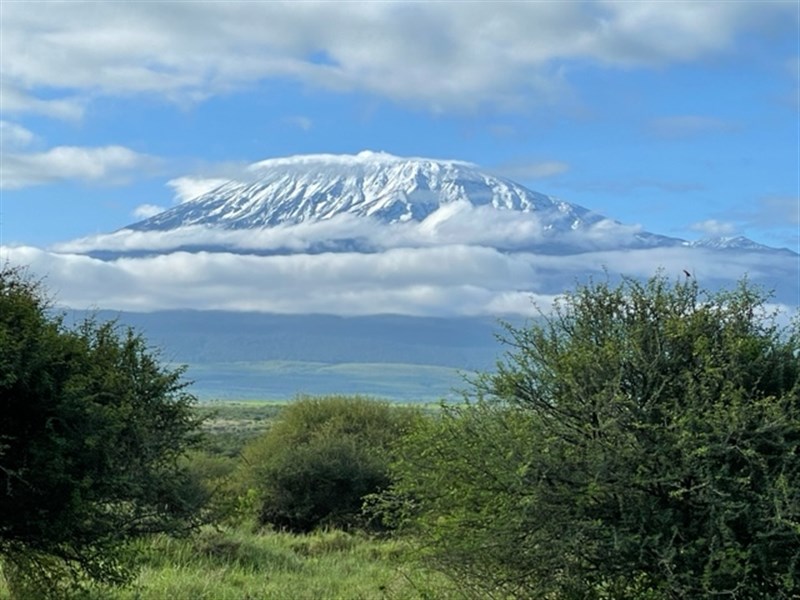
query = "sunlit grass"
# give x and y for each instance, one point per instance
(236, 564)
(239, 563)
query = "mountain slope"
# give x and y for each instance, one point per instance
(388, 188)
(737, 243)
(347, 199)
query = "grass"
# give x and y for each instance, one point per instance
(236, 564)
(230, 425)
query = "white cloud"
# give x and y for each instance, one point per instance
(456, 223)
(446, 280)
(14, 136)
(657, 32)
(188, 188)
(443, 280)
(145, 211)
(106, 164)
(434, 55)
(714, 228)
(16, 101)
(448, 264)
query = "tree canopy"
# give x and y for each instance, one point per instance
(92, 431)
(642, 441)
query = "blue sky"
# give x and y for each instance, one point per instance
(680, 117)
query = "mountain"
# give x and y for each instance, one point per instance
(392, 190)
(210, 337)
(738, 242)
(388, 190)
(370, 184)
(420, 255)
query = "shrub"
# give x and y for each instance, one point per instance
(321, 458)
(92, 433)
(641, 442)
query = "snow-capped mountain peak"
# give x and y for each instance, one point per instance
(738, 242)
(385, 187)
(337, 161)
(443, 202)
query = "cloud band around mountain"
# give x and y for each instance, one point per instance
(443, 280)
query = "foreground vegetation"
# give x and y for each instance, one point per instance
(239, 563)
(92, 436)
(236, 558)
(644, 442)
(641, 442)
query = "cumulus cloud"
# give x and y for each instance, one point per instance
(16, 101)
(106, 164)
(421, 53)
(145, 211)
(461, 260)
(14, 136)
(444, 280)
(714, 228)
(187, 188)
(455, 223)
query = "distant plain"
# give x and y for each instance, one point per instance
(257, 356)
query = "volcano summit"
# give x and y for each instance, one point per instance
(370, 184)
(440, 202)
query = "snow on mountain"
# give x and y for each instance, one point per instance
(335, 202)
(738, 242)
(374, 184)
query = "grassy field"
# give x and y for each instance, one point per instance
(242, 563)
(230, 425)
(236, 564)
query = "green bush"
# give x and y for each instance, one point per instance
(92, 433)
(321, 458)
(641, 442)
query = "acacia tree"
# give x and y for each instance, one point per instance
(92, 430)
(641, 441)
